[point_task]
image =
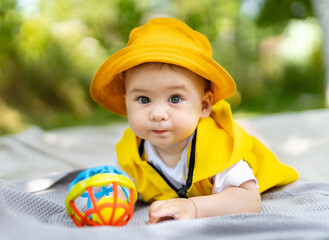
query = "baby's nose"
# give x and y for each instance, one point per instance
(158, 115)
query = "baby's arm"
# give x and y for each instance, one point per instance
(242, 199)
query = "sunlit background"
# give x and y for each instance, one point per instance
(51, 49)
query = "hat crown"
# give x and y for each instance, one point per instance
(170, 31)
(163, 40)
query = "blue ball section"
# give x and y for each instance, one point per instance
(105, 191)
(95, 170)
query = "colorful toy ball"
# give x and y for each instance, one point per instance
(101, 196)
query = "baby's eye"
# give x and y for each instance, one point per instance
(143, 100)
(175, 99)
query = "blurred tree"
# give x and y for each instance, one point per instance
(48, 58)
(294, 83)
(282, 11)
(322, 11)
(10, 21)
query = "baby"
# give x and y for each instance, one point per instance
(183, 150)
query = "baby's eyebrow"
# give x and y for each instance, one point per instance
(143, 90)
(139, 90)
(178, 87)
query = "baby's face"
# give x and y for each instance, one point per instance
(165, 102)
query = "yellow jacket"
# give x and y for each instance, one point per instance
(219, 143)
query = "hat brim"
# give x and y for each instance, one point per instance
(107, 87)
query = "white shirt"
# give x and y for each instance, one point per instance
(232, 176)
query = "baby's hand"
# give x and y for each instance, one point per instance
(172, 209)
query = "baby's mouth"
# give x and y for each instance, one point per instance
(159, 131)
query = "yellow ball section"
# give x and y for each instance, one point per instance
(108, 209)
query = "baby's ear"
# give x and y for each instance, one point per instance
(206, 104)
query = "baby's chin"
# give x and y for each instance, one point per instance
(161, 144)
(170, 145)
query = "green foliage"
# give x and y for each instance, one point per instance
(286, 86)
(10, 21)
(295, 88)
(49, 58)
(281, 11)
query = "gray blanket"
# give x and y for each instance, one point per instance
(35, 209)
(32, 207)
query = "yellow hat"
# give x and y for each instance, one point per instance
(163, 40)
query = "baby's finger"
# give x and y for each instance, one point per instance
(162, 214)
(155, 205)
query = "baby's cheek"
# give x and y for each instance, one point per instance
(138, 126)
(188, 123)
